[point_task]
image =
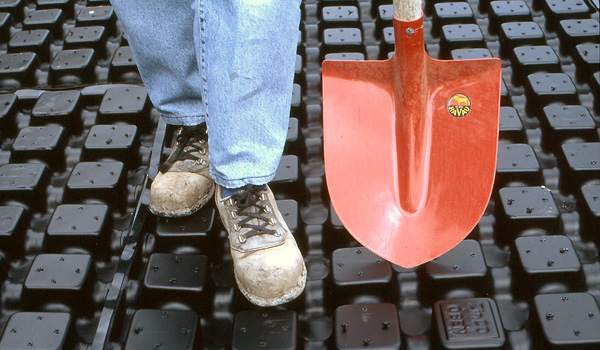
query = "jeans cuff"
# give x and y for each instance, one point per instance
(181, 120)
(221, 180)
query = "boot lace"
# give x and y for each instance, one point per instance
(188, 142)
(246, 198)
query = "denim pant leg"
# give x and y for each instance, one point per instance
(250, 54)
(161, 36)
(229, 60)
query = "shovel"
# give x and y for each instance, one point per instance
(410, 145)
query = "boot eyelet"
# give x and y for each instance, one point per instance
(236, 227)
(241, 239)
(267, 209)
(277, 234)
(272, 221)
(263, 197)
(234, 214)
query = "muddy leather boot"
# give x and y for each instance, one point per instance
(183, 184)
(268, 266)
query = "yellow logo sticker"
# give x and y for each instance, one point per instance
(459, 105)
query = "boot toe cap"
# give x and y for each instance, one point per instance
(272, 274)
(178, 194)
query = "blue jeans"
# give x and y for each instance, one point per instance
(227, 62)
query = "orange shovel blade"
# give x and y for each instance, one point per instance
(410, 147)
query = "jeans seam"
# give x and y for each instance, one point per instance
(202, 20)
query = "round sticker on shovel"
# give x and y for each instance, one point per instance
(459, 105)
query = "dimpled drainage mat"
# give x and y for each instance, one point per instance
(83, 265)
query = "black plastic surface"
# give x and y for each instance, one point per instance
(118, 142)
(372, 326)
(569, 321)
(45, 143)
(268, 329)
(51, 19)
(533, 59)
(37, 41)
(163, 329)
(93, 37)
(38, 330)
(469, 324)
(340, 16)
(487, 292)
(459, 36)
(18, 67)
(509, 11)
(73, 67)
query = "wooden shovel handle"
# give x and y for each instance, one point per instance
(407, 10)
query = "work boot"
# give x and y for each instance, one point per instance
(183, 184)
(268, 266)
